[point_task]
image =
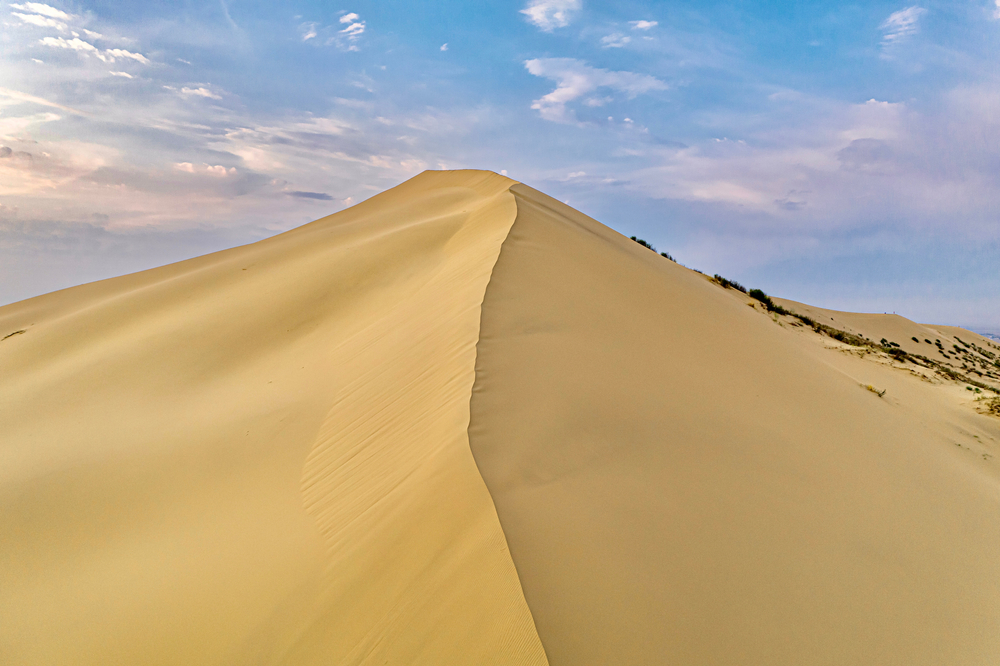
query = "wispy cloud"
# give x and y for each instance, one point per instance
(615, 40)
(25, 97)
(575, 79)
(74, 44)
(80, 46)
(901, 25)
(199, 92)
(643, 25)
(308, 31)
(109, 55)
(550, 14)
(217, 171)
(44, 10)
(41, 21)
(345, 38)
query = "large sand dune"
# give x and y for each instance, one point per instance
(462, 423)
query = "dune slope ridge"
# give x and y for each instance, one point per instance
(261, 455)
(681, 480)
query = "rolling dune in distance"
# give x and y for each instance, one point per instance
(463, 423)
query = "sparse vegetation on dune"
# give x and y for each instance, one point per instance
(728, 284)
(884, 345)
(649, 246)
(768, 303)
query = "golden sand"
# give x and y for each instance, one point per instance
(462, 423)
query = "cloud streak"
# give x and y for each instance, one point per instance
(25, 97)
(42, 9)
(900, 25)
(575, 79)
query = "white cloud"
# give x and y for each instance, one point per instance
(901, 24)
(74, 44)
(44, 10)
(200, 92)
(92, 34)
(308, 31)
(574, 79)
(218, 170)
(77, 44)
(996, 11)
(643, 25)
(125, 75)
(348, 37)
(550, 14)
(354, 29)
(615, 40)
(444, 47)
(110, 55)
(41, 21)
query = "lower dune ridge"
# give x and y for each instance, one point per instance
(463, 423)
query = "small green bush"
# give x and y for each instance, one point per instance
(766, 300)
(729, 284)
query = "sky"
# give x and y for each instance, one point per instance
(844, 155)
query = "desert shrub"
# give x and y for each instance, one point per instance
(667, 256)
(766, 300)
(915, 339)
(644, 243)
(729, 284)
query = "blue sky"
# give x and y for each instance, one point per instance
(845, 155)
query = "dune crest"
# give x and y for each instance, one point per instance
(261, 455)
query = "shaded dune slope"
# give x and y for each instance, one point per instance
(681, 481)
(261, 455)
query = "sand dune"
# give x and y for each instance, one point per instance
(260, 456)
(463, 423)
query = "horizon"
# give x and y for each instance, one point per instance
(837, 155)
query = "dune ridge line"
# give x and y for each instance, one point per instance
(261, 455)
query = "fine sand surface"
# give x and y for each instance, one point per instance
(261, 456)
(462, 423)
(682, 481)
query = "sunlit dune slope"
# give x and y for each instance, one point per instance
(683, 480)
(261, 455)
